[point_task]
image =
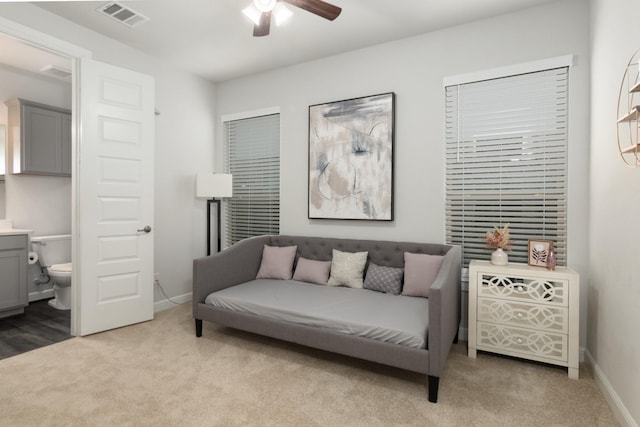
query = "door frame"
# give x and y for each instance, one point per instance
(74, 53)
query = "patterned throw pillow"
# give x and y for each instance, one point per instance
(347, 268)
(384, 279)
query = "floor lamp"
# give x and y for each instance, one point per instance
(214, 187)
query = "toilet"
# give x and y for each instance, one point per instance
(54, 253)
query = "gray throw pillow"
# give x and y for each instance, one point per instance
(277, 262)
(420, 270)
(347, 268)
(312, 271)
(384, 279)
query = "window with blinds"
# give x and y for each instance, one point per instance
(506, 162)
(252, 156)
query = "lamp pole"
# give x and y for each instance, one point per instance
(217, 202)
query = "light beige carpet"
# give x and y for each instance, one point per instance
(159, 374)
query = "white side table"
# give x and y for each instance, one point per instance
(524, 311)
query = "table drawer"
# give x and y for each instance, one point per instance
(525, 342)
(524, 289)
(533, 316)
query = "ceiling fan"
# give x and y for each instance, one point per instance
(260, 12)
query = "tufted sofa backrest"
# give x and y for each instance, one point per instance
(390, 254)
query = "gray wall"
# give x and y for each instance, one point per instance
(414, 69)
(614, 273)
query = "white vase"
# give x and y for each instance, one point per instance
(499, 257)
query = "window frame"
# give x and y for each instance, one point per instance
(226, 120)
(501, 73)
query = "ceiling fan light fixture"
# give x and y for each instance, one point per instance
(260, 12)
(281, 13)
(252, 13)
(264, 5)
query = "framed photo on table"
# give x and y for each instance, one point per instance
(539, 252)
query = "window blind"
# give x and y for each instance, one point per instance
(506, 162)
(252, 156)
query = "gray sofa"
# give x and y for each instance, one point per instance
(240, 263)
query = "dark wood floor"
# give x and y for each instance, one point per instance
(40, 325)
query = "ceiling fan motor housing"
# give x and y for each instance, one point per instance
(261, 10)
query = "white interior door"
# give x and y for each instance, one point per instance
(114, 198)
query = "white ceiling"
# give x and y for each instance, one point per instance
(212, 38)
(22, 56)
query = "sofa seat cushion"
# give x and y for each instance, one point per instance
(395, 319)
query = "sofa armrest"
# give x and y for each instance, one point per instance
(235, 265)
(444, 310)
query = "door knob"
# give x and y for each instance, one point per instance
(146, 229)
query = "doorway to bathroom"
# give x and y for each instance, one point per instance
(38, 202)
(112, 188)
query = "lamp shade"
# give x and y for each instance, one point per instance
(214, 185)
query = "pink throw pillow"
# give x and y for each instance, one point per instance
(420, 270)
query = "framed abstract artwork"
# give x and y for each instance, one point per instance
(351, 158)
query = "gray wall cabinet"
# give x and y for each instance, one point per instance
(13, 275)
(39, 138)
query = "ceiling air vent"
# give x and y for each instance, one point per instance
(123, 14)
(55, 71)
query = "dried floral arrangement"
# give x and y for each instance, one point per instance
(498, 238)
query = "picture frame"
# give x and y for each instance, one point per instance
(351, 159)
(539, 252)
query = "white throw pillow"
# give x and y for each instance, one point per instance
(347, 269)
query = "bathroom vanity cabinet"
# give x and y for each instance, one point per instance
(39, 139)
(13, 274)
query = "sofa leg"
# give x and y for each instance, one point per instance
(433, 388)
(198, 327)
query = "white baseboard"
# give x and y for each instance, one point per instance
(617, 406)
(165, 304)
(37, 296)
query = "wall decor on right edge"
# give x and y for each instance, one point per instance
(629, 113)
(539, 251)
(351, 158)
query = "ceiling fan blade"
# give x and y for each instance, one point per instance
(318, 7)
(263, 28)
